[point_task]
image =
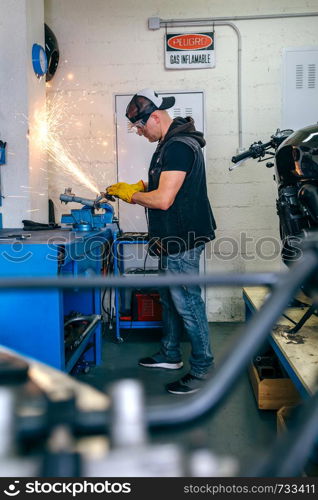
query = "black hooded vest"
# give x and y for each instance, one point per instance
(189, 221)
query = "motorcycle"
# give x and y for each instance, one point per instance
(295, 155)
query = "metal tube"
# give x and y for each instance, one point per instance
(92, 318)
(77, 199)
(215, 279)
(239, 354)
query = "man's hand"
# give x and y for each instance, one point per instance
(163, 197)
(125, 191)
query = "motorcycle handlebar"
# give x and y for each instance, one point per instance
(242, 156)
(256, 150)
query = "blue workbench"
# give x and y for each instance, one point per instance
(32, 321)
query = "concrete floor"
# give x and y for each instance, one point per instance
(237, 429)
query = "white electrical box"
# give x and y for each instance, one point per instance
(300, 87)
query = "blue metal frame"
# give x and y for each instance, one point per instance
(119, 295)
(32, 321)
(303, 391)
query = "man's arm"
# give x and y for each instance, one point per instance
(163, 197)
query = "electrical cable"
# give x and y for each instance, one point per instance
(106, 267)
(103, 306)
(145, 260)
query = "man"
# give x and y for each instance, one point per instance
(180, 223)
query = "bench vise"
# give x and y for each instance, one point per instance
(85, 219)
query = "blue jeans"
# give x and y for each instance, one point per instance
(184, 308)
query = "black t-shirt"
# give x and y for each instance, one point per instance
(178, 156)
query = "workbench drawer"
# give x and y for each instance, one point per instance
(272, 393)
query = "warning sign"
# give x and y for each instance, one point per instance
(190, 50)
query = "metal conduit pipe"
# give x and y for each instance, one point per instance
(157, 23)
(208, 20)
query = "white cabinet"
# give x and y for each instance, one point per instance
(300, 87)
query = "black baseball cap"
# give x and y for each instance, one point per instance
(145, 102)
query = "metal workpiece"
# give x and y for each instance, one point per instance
(68, 197)
(128, 426)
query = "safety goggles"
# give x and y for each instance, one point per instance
(138, 125)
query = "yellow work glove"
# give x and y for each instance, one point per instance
(125, 191)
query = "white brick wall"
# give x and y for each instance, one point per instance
(22, 95)
(108, 48)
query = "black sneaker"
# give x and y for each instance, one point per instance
(160, 361)
(186, 385)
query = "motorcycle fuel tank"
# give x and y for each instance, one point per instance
(297, 157)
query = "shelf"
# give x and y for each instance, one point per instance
(119, 269)
(140, 324)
